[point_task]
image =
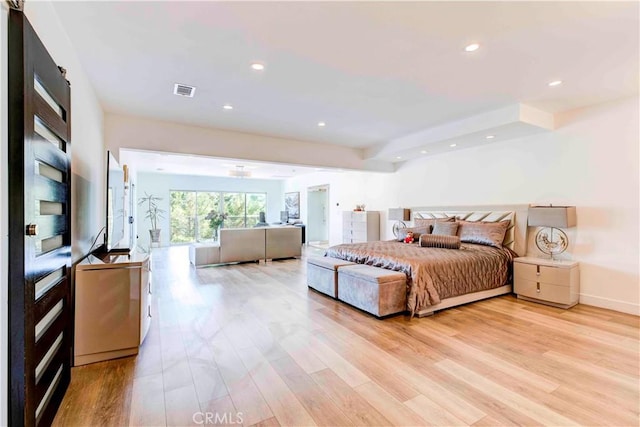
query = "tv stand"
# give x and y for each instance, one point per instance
(120, 251)
(113, 305)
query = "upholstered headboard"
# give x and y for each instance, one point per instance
(516, 237)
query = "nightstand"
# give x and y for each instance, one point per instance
(551, 282)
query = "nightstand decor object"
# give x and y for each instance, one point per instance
(550, 239)
(399, 215)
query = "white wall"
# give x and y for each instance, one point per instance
(161, 184)
(87, 154)
(87, 141)
(591, 162)
(346, 189)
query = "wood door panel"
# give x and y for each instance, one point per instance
(50, 190)
(39, 195)
(48, 338)
(55, 158)
(53, 121)
(50, 299)
(51, 225)
(48, 374)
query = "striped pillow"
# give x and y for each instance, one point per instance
(439, 241)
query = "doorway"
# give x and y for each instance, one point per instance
(318, 215)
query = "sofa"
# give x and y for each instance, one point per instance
(248, 244)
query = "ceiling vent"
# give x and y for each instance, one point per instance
(184, 90)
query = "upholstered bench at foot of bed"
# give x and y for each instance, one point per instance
(375, 290)
(204, 254)
(322, 274)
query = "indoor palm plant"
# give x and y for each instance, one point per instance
(153, 213)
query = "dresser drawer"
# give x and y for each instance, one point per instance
(542, 273)
(355, 216)
(544, 291)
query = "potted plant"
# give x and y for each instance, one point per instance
(153, 213)
(216, 219)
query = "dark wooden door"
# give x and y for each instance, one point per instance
(40, 309)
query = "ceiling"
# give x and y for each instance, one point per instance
(374, 72)
(147, 161)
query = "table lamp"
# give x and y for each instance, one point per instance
(399, 215)
(550, 239)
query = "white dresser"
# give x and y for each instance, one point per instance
(360, 226)
(113, 306)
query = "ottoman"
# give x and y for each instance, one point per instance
(375, 290)
(322, 274)
(204, 254)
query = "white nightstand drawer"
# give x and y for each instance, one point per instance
(541, 273)
(544, 291)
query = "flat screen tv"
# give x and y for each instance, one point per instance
(114, 230)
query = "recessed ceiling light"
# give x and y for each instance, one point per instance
(227, 107)
(424, 152)
(399, 157)
(453, 145)
(321, 124)
(555, 83)
(490, 136)
(472, 47)
(257, 66)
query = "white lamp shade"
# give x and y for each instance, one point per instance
(552, 216)
(399, 214)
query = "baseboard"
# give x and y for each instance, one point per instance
(611, 304)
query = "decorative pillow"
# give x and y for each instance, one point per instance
(439, 241)
(483, 233)
(445, 228)
(417, 231)
(423, 222)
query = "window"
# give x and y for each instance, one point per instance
(182, 216)
(256, 203)
(188, 210)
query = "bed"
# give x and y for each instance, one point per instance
(442, 278)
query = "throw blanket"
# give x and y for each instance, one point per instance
(433, 273)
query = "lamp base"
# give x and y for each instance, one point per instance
(399, 225)
(551, 241)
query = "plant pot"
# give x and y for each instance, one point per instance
(155, 235)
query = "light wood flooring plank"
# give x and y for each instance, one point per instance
(251, 344)
(181, 406)
(389, 406)
(514, 400)
(348, 400)
(317, 403)
(147, 408)
(432, 413)
(220, 412)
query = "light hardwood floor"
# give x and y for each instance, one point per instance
(250, 343)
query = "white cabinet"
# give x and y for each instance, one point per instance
(360, 226)
(112, 306)
(547, 281)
